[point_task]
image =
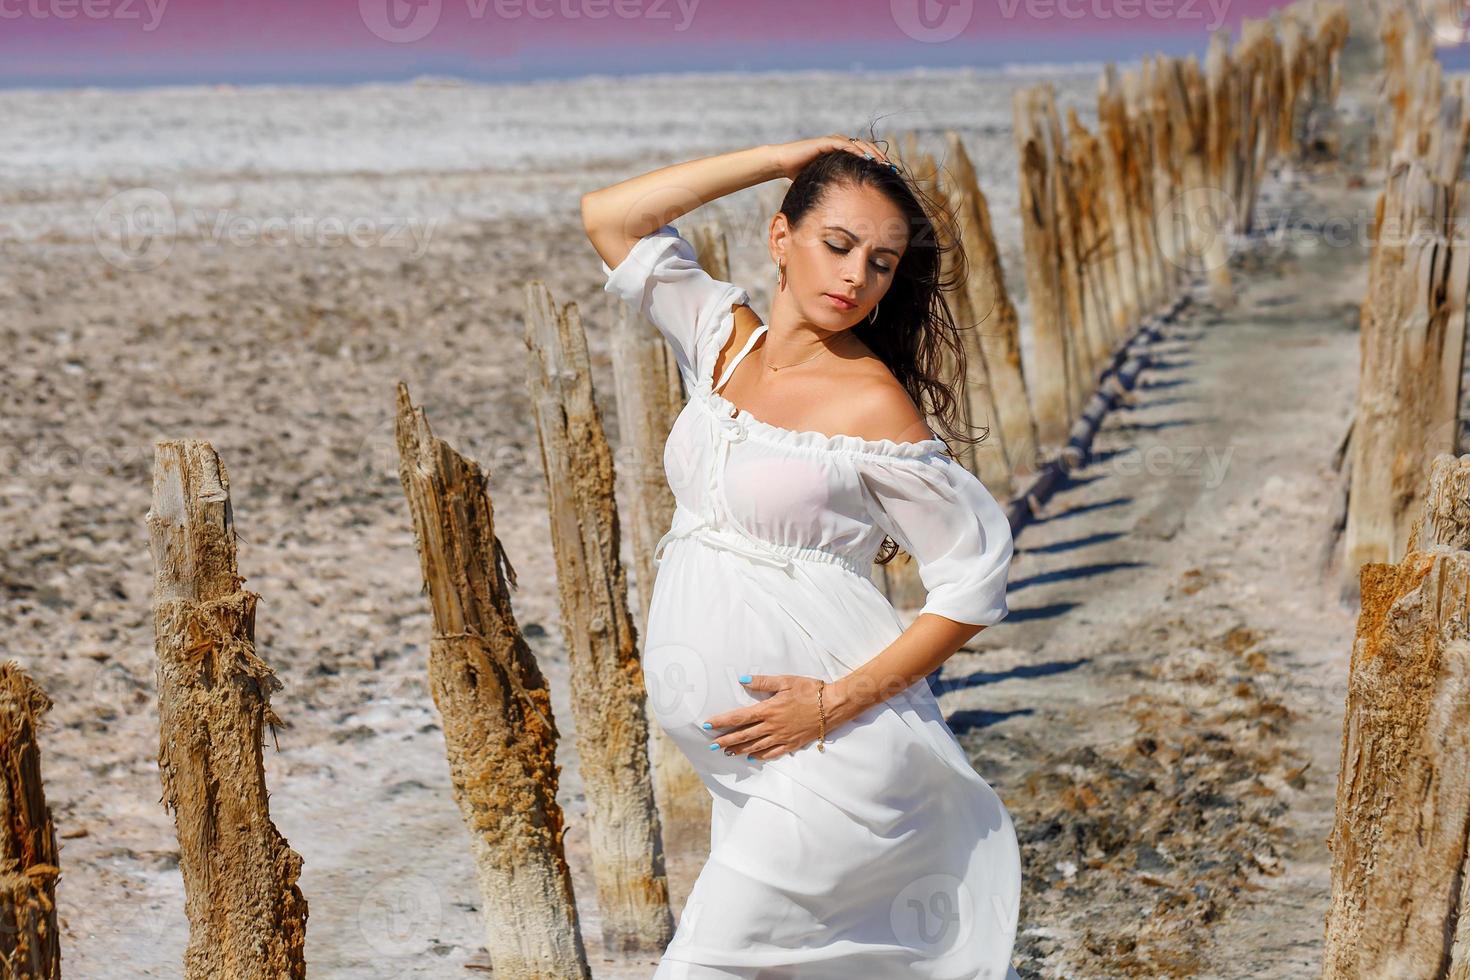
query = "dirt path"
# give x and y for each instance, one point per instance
(1161, 711)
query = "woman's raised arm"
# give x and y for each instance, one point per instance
(618, 215)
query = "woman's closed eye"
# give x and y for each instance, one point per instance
(843, 251)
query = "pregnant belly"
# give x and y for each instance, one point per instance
(712, 620)
(716, 615)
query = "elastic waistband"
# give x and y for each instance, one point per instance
(688, 524)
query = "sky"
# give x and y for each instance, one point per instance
(126, 43)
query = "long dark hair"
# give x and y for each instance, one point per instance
(915, 335)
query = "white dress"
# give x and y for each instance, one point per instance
(886, 857)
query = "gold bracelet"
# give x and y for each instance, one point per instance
(822, 715)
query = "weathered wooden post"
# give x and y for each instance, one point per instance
(649, 394)
(1100, 256)
(1106, 328)
(1262, 88)
(1120, 181)
(1406, 49)
(999, 328)
(1413, 341)
(1311, 35)
(1147, 129)
(499, 732)
(247, 917)
(1204, 213)
(1077, 324)
(1170, 201)
(30, 937)
(1050, 383)
(1224, 125)
(977, 411)
(608, 692)
(1400, 905)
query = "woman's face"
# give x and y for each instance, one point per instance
(846, 248)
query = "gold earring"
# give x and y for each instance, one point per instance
(781, 278)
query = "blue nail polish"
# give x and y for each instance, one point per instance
(707, 725)
(745, 678)
(714, 745)
(750, 758)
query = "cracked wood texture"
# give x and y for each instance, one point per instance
(247, 917)
(30, 946)
(1412, 343)
(499, 733)
(1399, 840)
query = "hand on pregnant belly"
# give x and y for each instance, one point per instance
(786, 720)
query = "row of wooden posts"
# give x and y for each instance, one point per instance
(1400, 902)
(1104, 252)
(1413, 314)
(1114, 223)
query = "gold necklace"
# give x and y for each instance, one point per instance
(783, 367)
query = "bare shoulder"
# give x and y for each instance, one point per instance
(882, 409)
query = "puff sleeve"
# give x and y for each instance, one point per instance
(661, 279)
(941, 514)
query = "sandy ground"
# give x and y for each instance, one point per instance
(1160, 712)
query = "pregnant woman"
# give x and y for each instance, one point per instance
(850, 837)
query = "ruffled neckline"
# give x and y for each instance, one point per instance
(805, 439)
(820, 441)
